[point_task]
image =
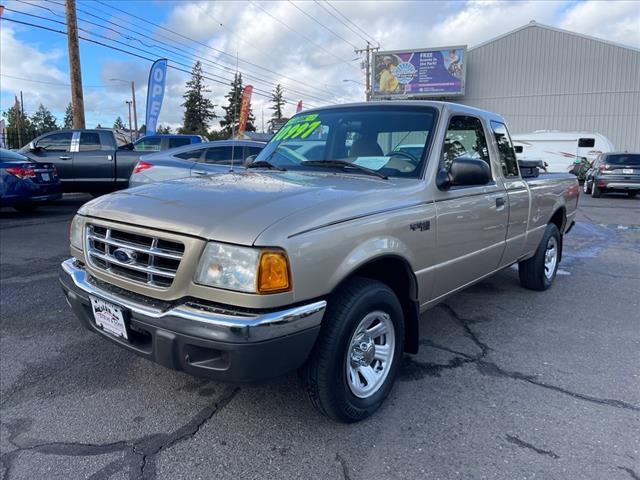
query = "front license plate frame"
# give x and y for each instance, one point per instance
(109, 317)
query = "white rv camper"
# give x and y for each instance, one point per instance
(560, 149)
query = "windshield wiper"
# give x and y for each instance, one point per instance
(343, 164)
(266, 164)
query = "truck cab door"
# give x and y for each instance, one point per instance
(471, 221)
(56, 148)
(93, 160)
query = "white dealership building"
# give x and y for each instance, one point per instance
(544, 78)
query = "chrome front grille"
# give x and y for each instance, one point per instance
(142, 258)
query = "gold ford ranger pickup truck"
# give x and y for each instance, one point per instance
(323, 253)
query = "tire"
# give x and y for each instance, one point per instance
(26, 208)
(632, 193)
(538, 272)
(327, 373)
(595, 191)
(586, 187)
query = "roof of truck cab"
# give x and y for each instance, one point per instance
(439, 105)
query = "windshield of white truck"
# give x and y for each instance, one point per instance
(389, 140)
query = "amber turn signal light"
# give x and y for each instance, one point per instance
(273, 275)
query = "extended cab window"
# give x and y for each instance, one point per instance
(465, 138)
(149, 144)
(56, 142)
(508, 160)
(89, 141)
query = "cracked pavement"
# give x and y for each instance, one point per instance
(508, 384)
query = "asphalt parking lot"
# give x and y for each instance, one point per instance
(509, 383)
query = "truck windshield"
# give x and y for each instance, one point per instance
(391, 140)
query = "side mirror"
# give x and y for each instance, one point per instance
(464, 171)
(249, 160)
(33, 148)
(127, 146)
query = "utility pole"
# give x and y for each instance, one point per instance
(77, 99)
(367, 65)
(128, 102)
(135, 112)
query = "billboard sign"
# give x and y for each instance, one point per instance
(423, 73)
(155, 94)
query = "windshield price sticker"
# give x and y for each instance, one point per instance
(299, 127)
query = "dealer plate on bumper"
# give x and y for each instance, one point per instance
(109, 317)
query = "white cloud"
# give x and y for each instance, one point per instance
(312, 63)
(617, 21)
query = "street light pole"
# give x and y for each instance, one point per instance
(133, 98)
(135, 112)
(128, 102)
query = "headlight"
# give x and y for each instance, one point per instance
(75, 232)
(243, 269)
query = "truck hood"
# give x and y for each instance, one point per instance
(237, 207)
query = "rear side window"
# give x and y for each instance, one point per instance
(623, 159)
(89, 141)
(179, 142)
(190, 155)
(222, 155)
(586, 142)
(56, 142)
(465, 138)
(150, 144)
(508, 160)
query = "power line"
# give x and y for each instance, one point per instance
(208, 77)
(212, 76)
(53, 83)
(301, 34)
(323, 25)
(341, 21)
(189, 54)
(335, 9)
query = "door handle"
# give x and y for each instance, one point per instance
(499, 203)
(64, 157)
(200, 173)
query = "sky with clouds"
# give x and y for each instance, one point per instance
(307, 46)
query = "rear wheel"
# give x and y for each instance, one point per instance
(26, 208)
(355, 360)
(539, 271)
(595, 191)
(632, 193)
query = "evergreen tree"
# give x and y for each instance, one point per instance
(198, 109)
(18, 127)
(163, 130)
(278, 102)
(43, 121)
(119, 124)
(68, 117)
(232, 110)
(143, 129)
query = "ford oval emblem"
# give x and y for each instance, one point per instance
(124, 255)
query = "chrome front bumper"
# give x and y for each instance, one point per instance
(221, 324)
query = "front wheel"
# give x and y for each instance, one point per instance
(26, 207)
(632, 193)
(539, 271)
(355, 360)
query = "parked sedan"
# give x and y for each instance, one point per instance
(614, 172)
(25, 184)
(194, 160)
